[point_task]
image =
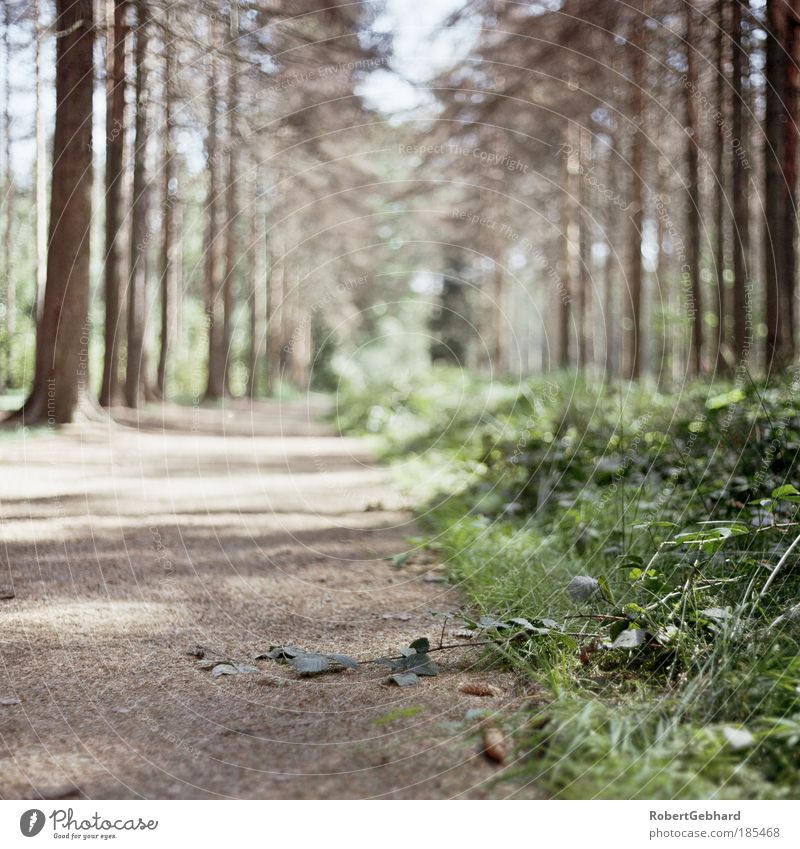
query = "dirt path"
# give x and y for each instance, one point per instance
(233, 529)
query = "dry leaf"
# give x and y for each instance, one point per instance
(480, 688)
(494, 744)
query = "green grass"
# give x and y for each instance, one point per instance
(678, 505)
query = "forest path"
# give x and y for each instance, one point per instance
(234, 529)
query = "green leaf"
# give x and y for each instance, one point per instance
(421, 645)
(616, 629)
(606, 588)
(726, 399)
(711, 539)
(787, 492)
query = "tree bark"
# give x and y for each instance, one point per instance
(214, 270)
(585, 339)
(8, 188)
(41, 173)
(167, 264)
(633, 328)
(137, 277)
(258, 288)
(719, 190)
(111, 390)
(776, 231)
(740, 189)
(231, 222)
(60, 389)
(568, 236)
(694, 305)
(788, 281)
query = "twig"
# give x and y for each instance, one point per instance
(497, 642)
(603, 617)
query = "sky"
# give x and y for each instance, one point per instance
(419, 52)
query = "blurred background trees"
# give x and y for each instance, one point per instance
(601, 186)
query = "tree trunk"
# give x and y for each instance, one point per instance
(694, 306)
(275, 316)
(167, 266)
(137, 277)
(740, 189)
(214, 271)
(60, 388)
(563, 294)
(661, 313)
(258, 288)
(231, 222)
(719, 190)
(775, 211)
(9, 290)
(111, 390)
(611, 217)
(633, 327)
(788, 281)
(585, 352)
(41, 174)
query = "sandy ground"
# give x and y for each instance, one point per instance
(126, 545)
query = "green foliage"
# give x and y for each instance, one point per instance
(647, 525)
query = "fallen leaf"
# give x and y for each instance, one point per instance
(404, 679)
(480, 688)
(314, 663)
(310, 664)
(343, 660)
(630, 638)
(582, 587)
(280, 653)
(230, 668)
(403, 617)
(489, 623)
(494, 744)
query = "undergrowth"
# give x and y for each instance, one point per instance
(645, 540)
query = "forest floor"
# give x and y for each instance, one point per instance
(234, 529)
